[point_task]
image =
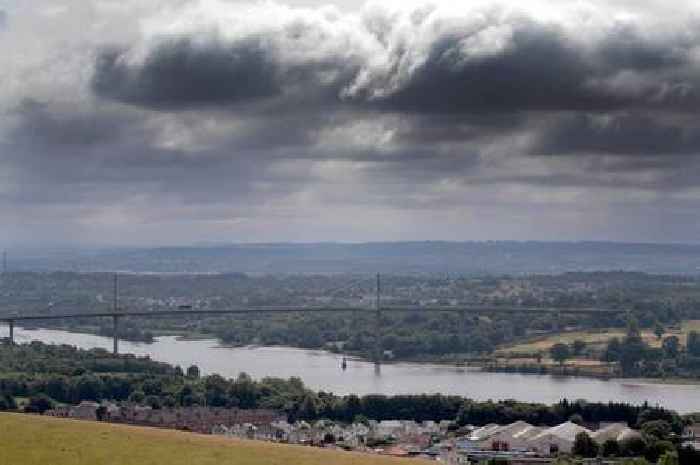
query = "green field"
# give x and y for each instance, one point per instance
(597, 338)
(35, 440)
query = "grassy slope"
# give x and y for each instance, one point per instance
(34, 440)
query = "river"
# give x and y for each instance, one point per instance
(321, 371)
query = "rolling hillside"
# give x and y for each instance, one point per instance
(34, 440)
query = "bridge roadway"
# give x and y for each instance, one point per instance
(10, 320)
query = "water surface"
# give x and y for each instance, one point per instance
(321, 371)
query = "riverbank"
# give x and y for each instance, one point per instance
(322, 371)
(503, 361)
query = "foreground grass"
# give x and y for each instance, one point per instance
(34, 440)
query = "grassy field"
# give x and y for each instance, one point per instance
(34, 440)
(525, 353)
(597, 338)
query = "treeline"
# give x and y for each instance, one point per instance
(652, 299)
(636, 358)
(50, 374)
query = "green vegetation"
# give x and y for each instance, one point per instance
(61, 374)
(636, 358)
(664, 307)
(34, 440)
(46, 375)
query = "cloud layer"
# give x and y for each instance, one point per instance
(217, 120)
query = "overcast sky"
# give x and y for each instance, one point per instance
(141, 122)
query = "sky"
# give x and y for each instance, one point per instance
(153, 122)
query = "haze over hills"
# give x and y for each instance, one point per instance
(496, 257)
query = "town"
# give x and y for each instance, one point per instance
(517, 443)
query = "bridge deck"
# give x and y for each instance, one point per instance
(477, 310)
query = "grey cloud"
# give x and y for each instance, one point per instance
(537, 67)
(537, 72)
(332, 118)
(180, 73)
(626, 134)
(62, 155)
(46, 128)
(542, 70)
(626, 49)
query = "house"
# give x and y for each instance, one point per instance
(86, 410)
(692, 432)
(355, 436)
(522, 439)
(503, 437)
(388, 428)
(615, 431)
(557, 439)
(59, 412)
(483, 433)
(692, 444)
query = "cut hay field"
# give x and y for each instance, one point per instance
(35, 440)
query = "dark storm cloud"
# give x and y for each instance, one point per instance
(395, 109)
(537, 71)
(540, 70)
(181, 73)
(537, 67)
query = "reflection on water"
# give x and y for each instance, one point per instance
(323, 371)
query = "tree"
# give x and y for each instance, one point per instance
(659, 331)
(88, 388)
(39, 404)
(669, 458)
(137, 397)
(632, 447)
(7, 402)
(308, 409)
(693, 344)
(101, 413)
(671, 346)
(244, 392)
(216, 391)
(578, 347)
(612, 351)
(610, 448)
(632, 351)
(560, 353)
(657, 449)
(585, 446)
(656, 429)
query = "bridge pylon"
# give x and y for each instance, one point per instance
(378, 324)
(115, 334)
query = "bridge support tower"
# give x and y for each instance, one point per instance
(115, 334)
(378, 325)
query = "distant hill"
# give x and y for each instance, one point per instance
(35, 440)
(396, 257)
